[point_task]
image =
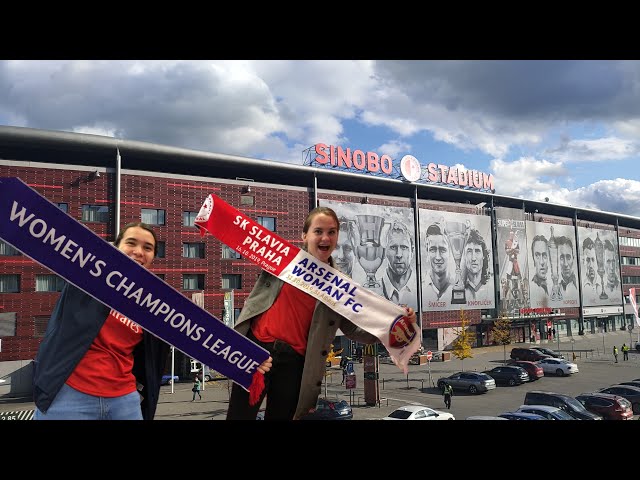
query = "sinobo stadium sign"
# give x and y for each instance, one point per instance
(410, 167)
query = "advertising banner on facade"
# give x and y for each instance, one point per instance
(376, 248)
(511, 241)
(457, 261)
(553, 269)
(600, 273)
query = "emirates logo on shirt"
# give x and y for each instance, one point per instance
(135, 328)
(401, 332)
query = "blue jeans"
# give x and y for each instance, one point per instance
(70, 404)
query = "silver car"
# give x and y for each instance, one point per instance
(472, 382)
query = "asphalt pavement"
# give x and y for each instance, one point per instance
(597, 369)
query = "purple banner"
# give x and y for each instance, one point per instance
(40, 230)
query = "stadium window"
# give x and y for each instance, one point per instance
(40, 325)
(152, 216)
(95, 213)
(9, 283)
(161, 249)
(192, 250)
(188, 219)
(268, 222)
(8, 322)
(230, 253)
(231, 281)
(7, 250)
(49, 283)
(193, 281)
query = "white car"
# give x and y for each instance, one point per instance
(418, 412)
(558, 366)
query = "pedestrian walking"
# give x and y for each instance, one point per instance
(196, 389)
(343, 365)
(625, 351)
(448, 393)
(615, 353)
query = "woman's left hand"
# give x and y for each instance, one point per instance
(411, 315)
(265, 366)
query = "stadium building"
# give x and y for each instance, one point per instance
(421, 234)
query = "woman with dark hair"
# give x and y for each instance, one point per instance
(94, 363)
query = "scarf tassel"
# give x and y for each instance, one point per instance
(256, 388)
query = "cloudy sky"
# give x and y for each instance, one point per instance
(566, 130)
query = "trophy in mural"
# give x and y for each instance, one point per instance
(600, 262)
(369, 250)
(456, 232)
(554, 263)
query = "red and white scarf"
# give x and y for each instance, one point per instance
(364, 308)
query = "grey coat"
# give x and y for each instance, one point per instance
(322, 331)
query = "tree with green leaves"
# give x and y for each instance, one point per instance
(501, 332)
(461, 347)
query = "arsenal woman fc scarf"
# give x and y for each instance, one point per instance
(366, 309)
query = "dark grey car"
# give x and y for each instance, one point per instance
(472, 382)
(508, 375)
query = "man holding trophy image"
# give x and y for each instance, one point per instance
(457, 232)
(371, 240)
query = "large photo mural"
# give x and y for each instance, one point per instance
(512, 249)
(376, 248)
(553, 266)
(457, 261)
(600, 269)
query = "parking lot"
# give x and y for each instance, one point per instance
(597, 369)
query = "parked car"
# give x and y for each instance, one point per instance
(330, 410)
(534, 370)
(508, 375)
(484, 417)
(472, 382)
(168, 379)
(627, 391)
(527, 354)
(550, 413)
(521, 416)
(558, 366)
(560, 400)
(418, 412)
(633, 383)
(548, 351)
(611, 407)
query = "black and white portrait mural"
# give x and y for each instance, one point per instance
(553, 267)
(600, 268)
(457, 261)
(376, 248)
(512, 259)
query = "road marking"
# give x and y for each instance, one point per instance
(18, 415)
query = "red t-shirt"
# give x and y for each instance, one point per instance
(288, 319)
(105, 370)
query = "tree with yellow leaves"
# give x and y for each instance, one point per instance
(461, 347)
(501, 332)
